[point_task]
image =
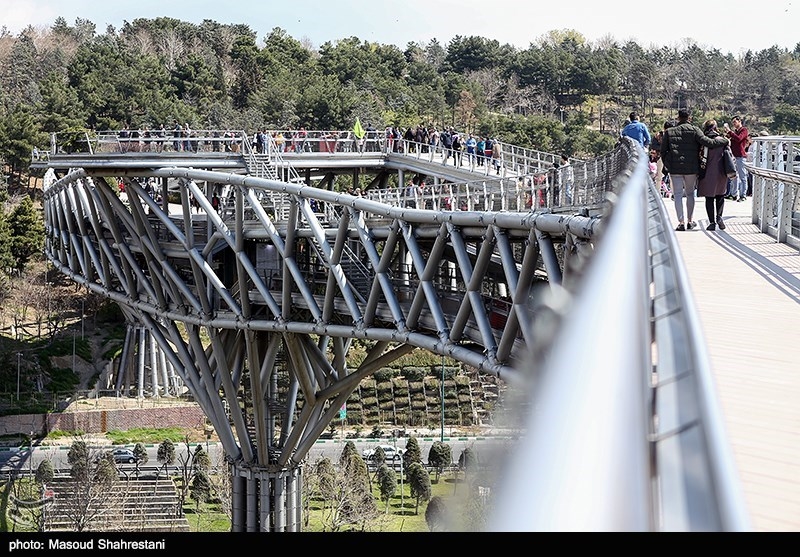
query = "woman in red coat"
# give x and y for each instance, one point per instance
(714, 180)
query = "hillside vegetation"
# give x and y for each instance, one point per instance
(561, 94)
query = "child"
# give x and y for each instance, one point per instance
(653, 164)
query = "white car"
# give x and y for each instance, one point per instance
(390, 451)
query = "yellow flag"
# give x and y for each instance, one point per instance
(358, 130)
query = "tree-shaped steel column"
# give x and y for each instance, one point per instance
(262, 346)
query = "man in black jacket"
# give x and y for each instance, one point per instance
(680, 149)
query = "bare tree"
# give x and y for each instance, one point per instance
(92, 476)
(142, 42)
(345, 491)
(518, 100)
(222, 490)
(465, 111)
(172, 48)
(492, 84)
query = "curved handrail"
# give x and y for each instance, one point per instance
(601, 451)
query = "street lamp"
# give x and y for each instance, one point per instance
(19, 363)
(441, 389)
(681, 89)
(402, 488)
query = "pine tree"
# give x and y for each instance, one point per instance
(27, 233)
(413, 452)
(387, 483)
(6, 256)
(420, 483)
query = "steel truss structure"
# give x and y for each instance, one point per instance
(255, 305)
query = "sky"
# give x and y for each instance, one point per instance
(732, 26)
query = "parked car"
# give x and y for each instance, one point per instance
(390, 451)
(124, 455)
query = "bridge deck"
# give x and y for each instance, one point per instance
(746, 288)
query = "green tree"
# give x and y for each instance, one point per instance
(413, 452)
(19, 134)
(140, 452)
(6, 256)
(387, 483)
(92, 476)
(379, 456)
(436, 514)
(327, 478)
(420, 483)
(357, 504)
(27, 233)
(21, 71)
(248, 77)
(348, 451)
(60, 108)
(786, 119)
(166, 454)
(466, 461)
(466, 54)
(439, 456)
(45, 472)
(78, 459)
(199, 81)
(105, 471)
(200, 491)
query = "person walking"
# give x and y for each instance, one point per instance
(638, 131)
(497, 156)
(679, 151)
(567, 177)
(740, 139)
(488, 147)
(479, 150)
(457, 146)
(447, 145)
(713, 180)
(471, 144)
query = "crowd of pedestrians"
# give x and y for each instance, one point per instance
(680, 152)
(456, 148)
(692, 163)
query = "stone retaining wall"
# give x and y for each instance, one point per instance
(101, 421)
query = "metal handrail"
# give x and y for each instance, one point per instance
(514, 159)
(600, 453)
(775, 168)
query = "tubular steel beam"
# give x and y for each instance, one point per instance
(194, 278)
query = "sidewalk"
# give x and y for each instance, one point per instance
(746, 288)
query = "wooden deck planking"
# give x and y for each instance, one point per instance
(746, 288)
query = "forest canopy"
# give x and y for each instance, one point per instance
(561, 94)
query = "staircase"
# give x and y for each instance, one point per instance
(130, 505)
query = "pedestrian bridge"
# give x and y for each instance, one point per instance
(569, 284)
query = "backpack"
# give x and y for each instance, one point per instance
(747, 143)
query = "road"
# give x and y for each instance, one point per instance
(16, 461)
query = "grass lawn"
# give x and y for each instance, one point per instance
(403, 514)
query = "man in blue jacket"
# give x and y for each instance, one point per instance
(638, 131)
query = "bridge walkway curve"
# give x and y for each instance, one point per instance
(746, 287)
